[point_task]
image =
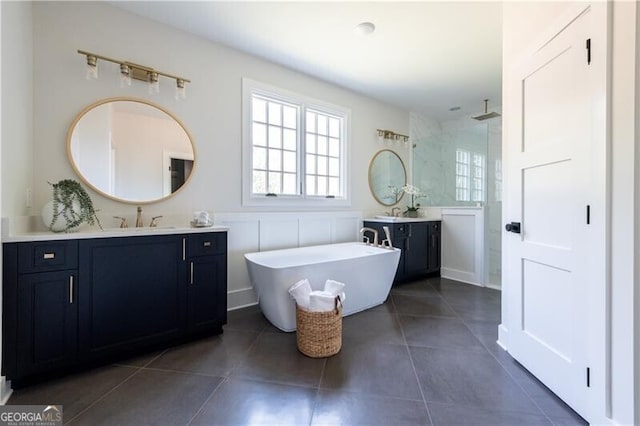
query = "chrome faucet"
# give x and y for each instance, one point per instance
(387, 241)
(154, 221)
(393, 212)
(139, 218)
(375, 236)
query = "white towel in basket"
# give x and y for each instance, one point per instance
(336, 288)
(322, 301)
(300, 292)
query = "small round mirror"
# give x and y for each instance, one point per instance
(130, 150)
(387, 176)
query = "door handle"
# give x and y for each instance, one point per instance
(513, 227)
(191, 274)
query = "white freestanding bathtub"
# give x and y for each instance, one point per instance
(366, 271)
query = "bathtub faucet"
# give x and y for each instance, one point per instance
(367, 240)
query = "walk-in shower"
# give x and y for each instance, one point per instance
(459, 163)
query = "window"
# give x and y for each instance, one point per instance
(498, 182)
(462, 175)
(470, 176)
(477, 182)
(294, 148)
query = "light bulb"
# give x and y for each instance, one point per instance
(92, 68)
(154, 82)
(181, 91)
(125, 75)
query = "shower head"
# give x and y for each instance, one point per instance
(487, 115)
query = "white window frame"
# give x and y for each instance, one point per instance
(251, 87)
(463, 192)
(478, 176)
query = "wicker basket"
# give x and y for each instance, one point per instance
(319, 334)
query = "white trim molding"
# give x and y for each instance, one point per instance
(463, 244)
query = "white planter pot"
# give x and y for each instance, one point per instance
(60, 224)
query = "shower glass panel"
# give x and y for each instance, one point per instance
(459, 163)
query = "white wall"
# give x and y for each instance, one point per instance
(523, 23)
(625, 361)
(211, 112)
(17, 107)
(16, 112)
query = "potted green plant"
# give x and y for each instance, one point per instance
(415, 193)
(71, 206)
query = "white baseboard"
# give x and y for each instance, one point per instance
(241, 298)
(5, 390)
(463, 276)
(494, 286)
(503, 333)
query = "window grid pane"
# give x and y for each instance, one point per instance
(274, 125)
(498, 181)
(478, 178)
(277, 151)
(462, 175)
(324, 177)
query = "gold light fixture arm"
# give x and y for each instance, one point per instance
(388, 134)
(139, 72)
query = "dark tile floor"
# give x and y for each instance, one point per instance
(426, 356)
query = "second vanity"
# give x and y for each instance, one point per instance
(420, 242)
(89, 298)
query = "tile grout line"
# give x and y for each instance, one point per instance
(315, 403)
(413, 366)
(258, 379)
(498, 361)
(218, 386)
(109, 392)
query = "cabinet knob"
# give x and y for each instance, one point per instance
(49, 256)
(207, 244)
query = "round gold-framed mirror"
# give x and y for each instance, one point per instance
(131, 150)
(387, 176)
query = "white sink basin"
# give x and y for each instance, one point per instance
(384, 218)
(394, 218)
(141, 229)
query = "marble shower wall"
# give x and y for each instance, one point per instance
(434, 171)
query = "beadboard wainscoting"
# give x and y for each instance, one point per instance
(463, 244)
(252, 232)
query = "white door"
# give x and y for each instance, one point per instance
(550, 189)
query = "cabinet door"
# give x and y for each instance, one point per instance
(47, 321)
(207, 293)
(133, 294)
(416, 254)
(434, 247)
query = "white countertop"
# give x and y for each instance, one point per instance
(108, 233)
(402, 219)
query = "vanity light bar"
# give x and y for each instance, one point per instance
(131, 70)
(388, 135)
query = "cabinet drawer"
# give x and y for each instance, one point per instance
(47, 256)
(207, 244)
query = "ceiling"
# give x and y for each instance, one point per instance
(423, 56)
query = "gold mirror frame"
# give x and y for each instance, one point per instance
(77, 171)
(371, 186)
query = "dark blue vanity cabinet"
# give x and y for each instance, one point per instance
(40, 316)
(206, 301)
(88, 301)
(132, 293)
(420, 245)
